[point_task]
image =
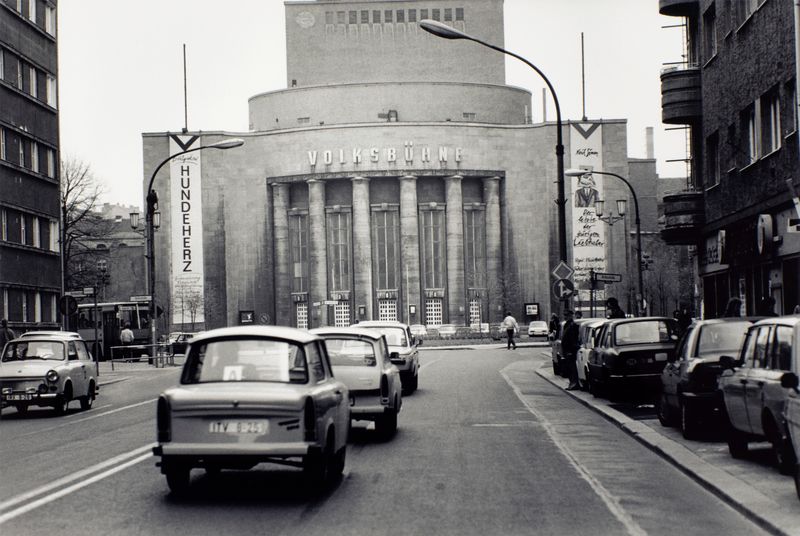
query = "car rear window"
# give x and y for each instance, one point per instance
(716, 338)
(651, 331)
(394, 336)
(246, 359)
(350, 353)
(34, 350)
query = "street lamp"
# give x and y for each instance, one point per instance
(578, 173)
(599, 205)
(442, 30)
(153, 221)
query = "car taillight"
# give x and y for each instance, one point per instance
(310, 421)
(163, 421)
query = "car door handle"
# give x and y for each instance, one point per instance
(743, 382)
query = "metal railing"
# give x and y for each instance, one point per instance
(139, 353)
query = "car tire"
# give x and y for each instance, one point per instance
(784, 452)
(797, 479)
(737, 443)
(88, 400)
(413, 384)
(178, 479)
(664, 412)
(318, 466)
(339, 460)
(62, 401)
(689, 425)
(386, 425)
(22, 410)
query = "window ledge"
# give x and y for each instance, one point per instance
(712, 188)
(710, 60)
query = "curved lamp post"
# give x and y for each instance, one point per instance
(578, 173)
(442, 30)
(153, 220)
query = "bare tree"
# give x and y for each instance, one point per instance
(82, 226)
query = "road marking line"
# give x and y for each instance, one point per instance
(610, 501)
(66, 491)
(429, 363)
(74, 476)
(89, 417)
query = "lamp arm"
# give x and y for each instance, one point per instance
(158, 168)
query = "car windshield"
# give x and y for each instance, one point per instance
(394, 336)
(350, 352)
(718, 338)
(246, 360)
(649, 331)
(34, 350)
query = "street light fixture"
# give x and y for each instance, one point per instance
(611, 219)
(578, 173)
(153, 221)
(442, 30)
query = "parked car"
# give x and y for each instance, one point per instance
(178, 341)
(631, 353)
(405, 344)
(253, 394)
(49, 371)
(559, 369)
(690, 395)
(418, 330)
(360, 358)
(63, 334)
(751, 383)
(447, 331)
(538, 328)
(588, 331)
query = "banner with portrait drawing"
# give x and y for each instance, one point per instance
(187, 288)
(588, 232)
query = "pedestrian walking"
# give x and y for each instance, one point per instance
(613, 310)
(510, 324)
(569, 347)
(126, 337)
(6, 333)
(554, 327)
(733, 309)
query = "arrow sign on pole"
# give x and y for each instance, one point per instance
(563, 289)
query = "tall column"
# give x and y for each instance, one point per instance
(494, 249)
(283, 277)
(409, 240)
(456, 294)
(362, 247)
(317, 255)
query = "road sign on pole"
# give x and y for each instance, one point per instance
(603, 277)
(563, 271)
(563, 289)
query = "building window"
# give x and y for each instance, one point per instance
(436, 14)
(32, 11)
(23, 229)
(433, 312)
(791, 105)
(35, 156)
(36, 232)
(303, 120)
(401, 15)
(448, 14)
(750, 130)
(51, 91)
(352, 17)
(386, 248)
(50, 20)
(51, 163)
(19, 6)
(423, 14)
(469, 116)
(302, 315)
(460, 13)
(33, 86)
(771, 122)
(387, 15)
(364, 16)
(387, 310)
(339, 230)
(3, 224)
(710, 33)
(475, 312)
(21, 152)
(412, 15)
(19, 74)
(712, 160)
(341, 315)
(475, 248)
(341, 17)
(54, 236)
(376, 15)
(2, 143)
(2, 64)
(298, 242)
(329, 17)
(433, 248)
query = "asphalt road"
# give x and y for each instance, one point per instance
(485, 446)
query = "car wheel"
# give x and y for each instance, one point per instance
(386, 425)
(688, 422)
(88, 400)
(664, 411)
(178, 478)
(797, 479)
(784, 453)
(737, 443)
(337, 468)
(62, 401)
(318, 465)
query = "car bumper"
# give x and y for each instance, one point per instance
(45, 399)
(299, 448)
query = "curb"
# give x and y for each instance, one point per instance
(738, 494)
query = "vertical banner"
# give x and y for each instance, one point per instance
(187, 290)
(588, 232)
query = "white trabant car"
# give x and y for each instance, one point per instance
(588, 331)
(360, 358)
(404, 343)
(49, 371)
(254, 394)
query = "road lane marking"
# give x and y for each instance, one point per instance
(70, 478)
(631, 526)
(66, 491)
(88, 417)
(429, 363)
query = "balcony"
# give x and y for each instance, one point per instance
(681, 95)
(684, 216)
(678, 8)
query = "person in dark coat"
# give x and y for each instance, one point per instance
(733, 309)
(766, 307)
(569, 347)
(554, 327)
(6, 333)
(613, 310)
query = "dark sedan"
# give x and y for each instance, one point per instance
(631, 353)
(690, 396)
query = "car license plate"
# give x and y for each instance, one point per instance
(661, 356)
(19, 397)
(238, 427)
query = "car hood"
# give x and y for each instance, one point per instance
(358, 378)
(225, 394)
(25, 369)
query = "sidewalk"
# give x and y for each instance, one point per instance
(753, 486)
(123, 370)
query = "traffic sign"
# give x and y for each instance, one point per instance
(563, 289)
(563, 271)
(67, 304)
(88, 291)
(75, 293)
(141, 299)
(603, 277)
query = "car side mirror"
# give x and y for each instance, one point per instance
(394, 355)
(790, 381)
(726, 362)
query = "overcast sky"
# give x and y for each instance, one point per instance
(121, 71)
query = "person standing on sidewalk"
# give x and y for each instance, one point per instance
(569, 346)
(6, 333)
(510, 324)
(126, 337)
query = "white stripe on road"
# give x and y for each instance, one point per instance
(428, 363)
(89, 417)
(610, 501)
(70, 478)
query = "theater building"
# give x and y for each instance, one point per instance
(397, 177)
